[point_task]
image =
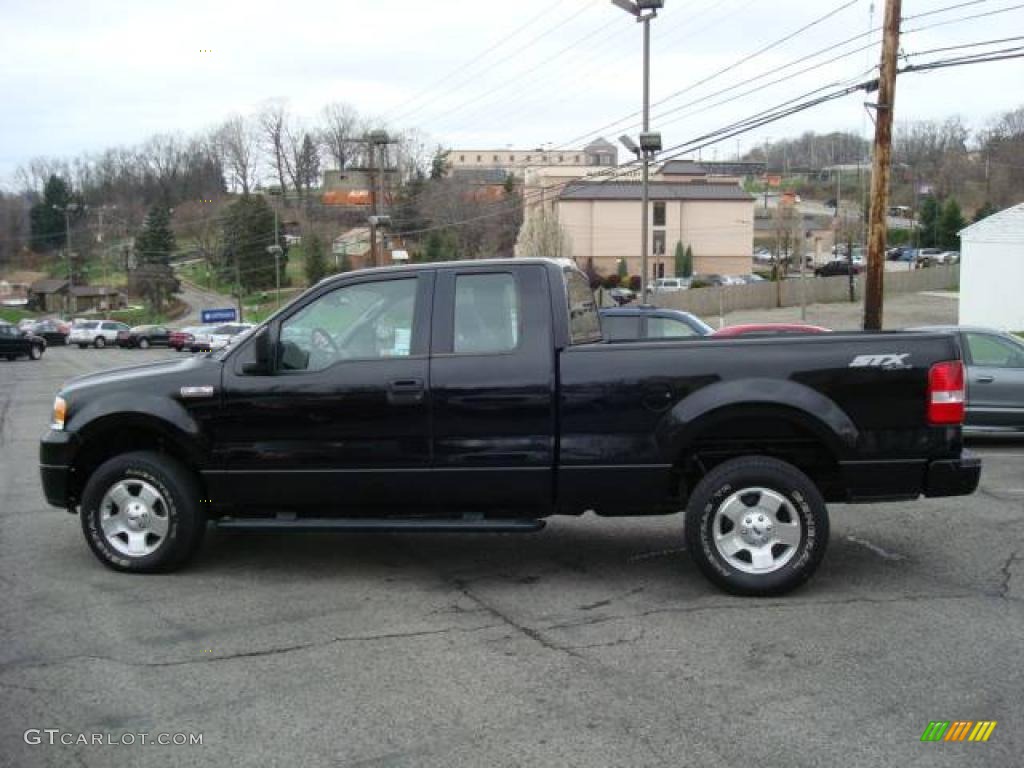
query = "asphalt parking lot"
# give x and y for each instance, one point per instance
(593, 643)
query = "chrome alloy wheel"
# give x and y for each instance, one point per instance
(757, 530)
(133, 517)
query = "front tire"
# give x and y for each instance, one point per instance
(143, 343)
(100, 342)
(756, 526)
(141, 513)
(35, 353)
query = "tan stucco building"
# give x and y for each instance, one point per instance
(599, 152)
(602, 220)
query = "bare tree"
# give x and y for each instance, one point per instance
(273, 123)
(236, 146)
(340, 133)
(542, 235)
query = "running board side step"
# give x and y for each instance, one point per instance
(380, 525)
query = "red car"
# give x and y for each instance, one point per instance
(769, 329)
(183, 338)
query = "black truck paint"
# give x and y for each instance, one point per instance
(559, 423)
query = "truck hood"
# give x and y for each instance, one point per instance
(200, 369)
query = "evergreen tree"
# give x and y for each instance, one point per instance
(248, 231)
(928, 222)
(46, 218)
(623, 270)
(438, 163)
(984, 212)
(155, 243)
(315, 265)
(951, 221)
(688, 262)
(679, 257)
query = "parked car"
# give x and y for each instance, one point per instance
(896, 253)
(15, 344)
(751, 279)
(670, 285)
(183, 337)
(217, 337)
(948, 257)
(621, 295)
(838, 267)
(634, 323)
(95, 333)
(54, 331)
(995, 378)
(924, 257)
(144, 337)
(710, 279)
(767, 329)
(478, 396)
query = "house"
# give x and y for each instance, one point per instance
(354, 186)
(602, 220)
(992, 271)
(93, 298)
(48, 295)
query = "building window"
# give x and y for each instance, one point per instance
(511, 158)
(462, 158)
(576, 159)
(544, 159)
(478, 158)
(495, 158)
(559, 158)
(527, 158)
(659, 214)
(658, 244)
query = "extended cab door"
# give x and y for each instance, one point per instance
(492, 384)
(343, 423)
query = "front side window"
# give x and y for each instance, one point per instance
(993, 352)
(620, 327)
(486, 314)
(668, 328)
(355, 322)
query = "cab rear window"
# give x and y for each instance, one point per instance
(584, 324)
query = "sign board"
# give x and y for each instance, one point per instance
(226, 315)
(399, 255)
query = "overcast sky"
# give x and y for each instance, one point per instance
(82, 76)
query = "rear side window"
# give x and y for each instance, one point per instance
(113, 327)
(486, 314)
(584, 324)
(620, 327)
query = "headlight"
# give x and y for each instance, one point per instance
(60, 409)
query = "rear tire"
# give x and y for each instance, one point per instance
(143, 343)
(141, 513)
(100, 342)
(756, 526)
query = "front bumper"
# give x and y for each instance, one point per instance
(56, 453)
(953, 477)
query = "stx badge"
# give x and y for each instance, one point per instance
(890, 361)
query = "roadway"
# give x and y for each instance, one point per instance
(593, 643)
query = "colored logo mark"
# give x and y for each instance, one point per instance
(958, 730)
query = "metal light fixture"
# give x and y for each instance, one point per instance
(629, 144)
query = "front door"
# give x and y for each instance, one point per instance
(344, 423)
(492, 387)
(995, 381)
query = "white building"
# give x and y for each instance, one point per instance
(992, 271)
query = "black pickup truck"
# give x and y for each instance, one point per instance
(480, 396)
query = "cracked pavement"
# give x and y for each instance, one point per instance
(593, 643)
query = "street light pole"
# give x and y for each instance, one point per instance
(649, 143)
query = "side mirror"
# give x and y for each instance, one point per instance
(262, 346)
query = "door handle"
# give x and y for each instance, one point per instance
(405, 391)
(985, 379)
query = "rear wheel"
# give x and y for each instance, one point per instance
(143, 343)
(100, 342)
(141, 513)
(756, 526)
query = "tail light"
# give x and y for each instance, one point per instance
(946, 393)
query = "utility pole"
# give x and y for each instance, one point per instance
(880, 167)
